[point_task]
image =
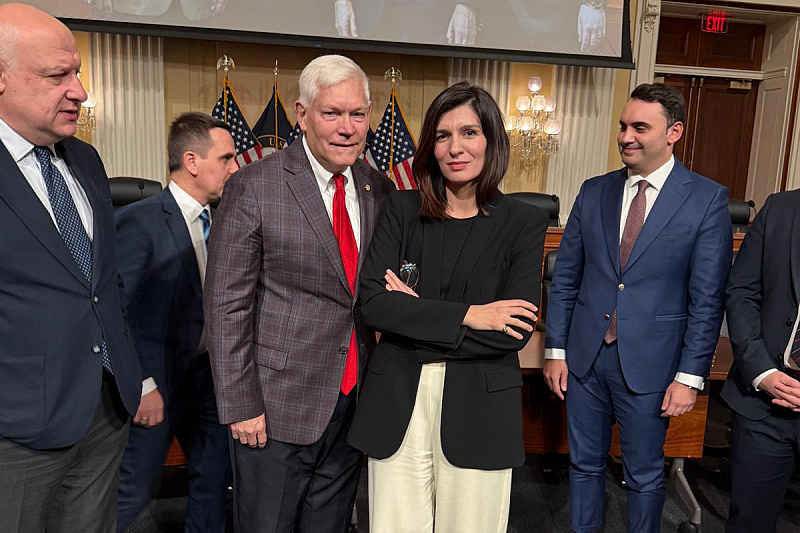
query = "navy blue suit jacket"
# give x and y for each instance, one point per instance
(162, 287)
(763, 295)
(51, 319)
(669, 298)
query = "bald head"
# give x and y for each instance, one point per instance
(40, 93)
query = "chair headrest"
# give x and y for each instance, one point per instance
(126, 190)
(548, 202)
(740, 211)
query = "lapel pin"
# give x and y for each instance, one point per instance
(367, 187)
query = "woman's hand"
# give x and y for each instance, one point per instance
(393, 283)
(500, 316)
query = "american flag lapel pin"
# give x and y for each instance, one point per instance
(367, 187)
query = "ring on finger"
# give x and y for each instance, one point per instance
(505, 329)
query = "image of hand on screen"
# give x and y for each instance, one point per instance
(591, 24)
(345, 18)
(463, 26)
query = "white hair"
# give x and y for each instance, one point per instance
(328, 70)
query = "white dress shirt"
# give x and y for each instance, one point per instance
(656, 180)
(22, 153)
(327, 187)
(190, 209)
(787, 359)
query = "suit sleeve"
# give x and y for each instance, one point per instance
(229, 300)
(135, 261)
(709, 266)
(567, 277)
(435, 325)
(744, 304)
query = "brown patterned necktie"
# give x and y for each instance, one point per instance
(633, 226)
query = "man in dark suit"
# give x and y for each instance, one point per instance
(280, 299)
(68, 374)
(162, 259)
(763, 386)
(635, 308)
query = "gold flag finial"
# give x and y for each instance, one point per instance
(226, 63)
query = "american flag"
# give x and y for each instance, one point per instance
(295, 134)
(227, 110)
(393, 147)
(273, 128)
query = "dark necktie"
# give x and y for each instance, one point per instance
(343, 230)
(206, 218)
(69, 224)
(794, 353)
(633, 226)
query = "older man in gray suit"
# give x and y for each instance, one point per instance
(284, 334)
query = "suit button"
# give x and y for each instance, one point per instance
(96, 349)
(621, 286)
(96, 300)
(607, 316)
(790, 322)
(342, 349)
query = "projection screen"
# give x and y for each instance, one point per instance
(591, 32)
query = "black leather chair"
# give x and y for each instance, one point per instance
(126, 190)
(740, 214)
(547, 281)
(548, 202)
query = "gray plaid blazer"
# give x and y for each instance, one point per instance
(278, 309)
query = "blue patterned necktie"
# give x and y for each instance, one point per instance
(69, 224)
(206, 218)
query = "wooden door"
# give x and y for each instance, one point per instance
(718, 130)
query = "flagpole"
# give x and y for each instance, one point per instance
(227, 64)
(275, 95)
(394, 75)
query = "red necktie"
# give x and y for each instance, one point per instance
(633, 226)
(343, 230)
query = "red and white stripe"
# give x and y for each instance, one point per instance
(402, 176)
(248, 156)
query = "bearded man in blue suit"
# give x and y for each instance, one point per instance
(635, 308)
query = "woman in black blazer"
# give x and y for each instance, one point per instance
(440, 410)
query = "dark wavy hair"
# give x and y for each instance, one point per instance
(426, 169)
(671, 100)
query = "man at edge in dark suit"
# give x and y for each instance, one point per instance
(635, 308)
(763, 386)
(162, 243)
(285, 337)
(69, 378)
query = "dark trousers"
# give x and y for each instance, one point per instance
(191, 416)
(285, 488)
(763, 459)
(594, 403)
(68, 489)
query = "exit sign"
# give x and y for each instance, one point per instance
(715, 21)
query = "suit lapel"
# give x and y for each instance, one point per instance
(98, 233)
(611, 208)
(20, 198)
(183, 241)
(670, 198)
(366, 206)
(303, 185)
(794, 252)
(479, 235)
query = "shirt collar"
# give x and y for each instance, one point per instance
(657, 178)
(323, 176)
(16, 144)
(190, 207)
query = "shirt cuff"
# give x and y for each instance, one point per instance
(690, 380)
(761, 376)
(558, 354)
(148, 386)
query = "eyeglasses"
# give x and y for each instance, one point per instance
(409, 274)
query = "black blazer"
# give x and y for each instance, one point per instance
(162, 287)
(481, 409)
(762, 299)
(52, 320)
